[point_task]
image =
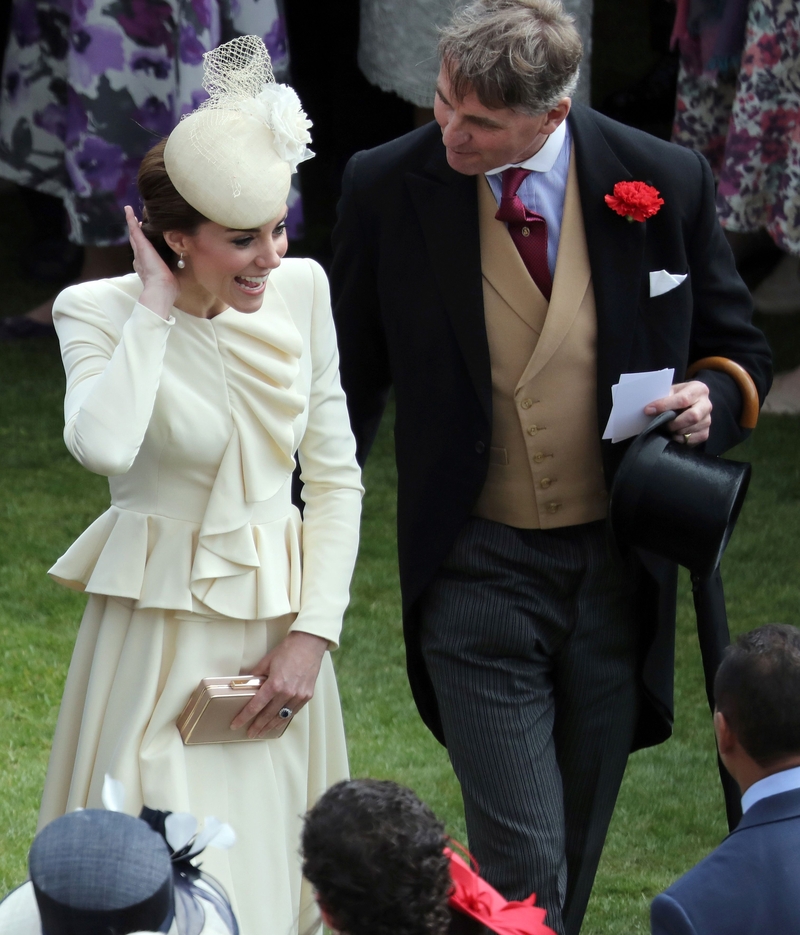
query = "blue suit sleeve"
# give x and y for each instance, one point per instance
(667, 917)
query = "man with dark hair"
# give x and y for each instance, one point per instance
(376, 856)
(751, 882)
(374, 853)
(501, 270)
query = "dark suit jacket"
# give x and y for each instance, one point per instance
(750, 884)
(408, 302)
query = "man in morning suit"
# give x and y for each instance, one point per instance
(751, 882)
(479, 270)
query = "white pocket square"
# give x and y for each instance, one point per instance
(661, 281)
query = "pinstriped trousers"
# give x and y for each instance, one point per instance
(530, 640)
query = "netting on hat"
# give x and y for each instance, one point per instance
(236, 71)
(241, 85)
(233, 74)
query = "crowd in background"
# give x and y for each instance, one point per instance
(75, 121)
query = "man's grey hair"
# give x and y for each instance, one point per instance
(522, 54)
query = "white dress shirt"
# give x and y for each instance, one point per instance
(784, 781)
(543, 191)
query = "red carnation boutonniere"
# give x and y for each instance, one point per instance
(636, 201)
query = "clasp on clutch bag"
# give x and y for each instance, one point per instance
(247, 681)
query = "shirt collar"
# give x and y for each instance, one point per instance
(544, 159)
(784, 781)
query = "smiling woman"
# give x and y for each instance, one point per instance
(194, 384)
(215, 266)
(226, 267)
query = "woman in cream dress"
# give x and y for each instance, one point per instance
(192, 384)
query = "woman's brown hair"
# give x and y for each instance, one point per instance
(163, 209)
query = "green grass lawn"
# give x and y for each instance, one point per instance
(670, 810)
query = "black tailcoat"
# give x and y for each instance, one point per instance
(408, 303)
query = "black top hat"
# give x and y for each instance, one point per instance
(676, 501)
(95, 872)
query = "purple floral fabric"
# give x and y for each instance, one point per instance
(748, 126)
(90, 85)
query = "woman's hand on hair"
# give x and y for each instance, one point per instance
(160, 285)
(291, 670)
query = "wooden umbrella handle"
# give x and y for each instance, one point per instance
(750, 404)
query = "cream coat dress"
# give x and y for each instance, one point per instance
(202, 564)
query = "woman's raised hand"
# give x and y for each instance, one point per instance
(161, 288)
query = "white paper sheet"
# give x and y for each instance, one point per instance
(633, 392)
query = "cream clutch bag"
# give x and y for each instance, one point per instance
(214, 704)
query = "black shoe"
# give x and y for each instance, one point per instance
(20, 327)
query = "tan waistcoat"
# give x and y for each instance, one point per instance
(545, 467)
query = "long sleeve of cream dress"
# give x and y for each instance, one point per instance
(202, 563)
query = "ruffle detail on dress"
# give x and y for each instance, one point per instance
(148, 558)
(261, 357)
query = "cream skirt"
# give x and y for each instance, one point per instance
(131, 674)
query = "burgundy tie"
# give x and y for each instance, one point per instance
(528, 230)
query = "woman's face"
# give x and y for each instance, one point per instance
(227, 268)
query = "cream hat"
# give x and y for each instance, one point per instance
(232, 159)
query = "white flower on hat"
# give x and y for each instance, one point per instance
(279, 107)
(181, 828)
(182, 833)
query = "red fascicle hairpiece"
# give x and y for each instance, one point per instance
(473, 896)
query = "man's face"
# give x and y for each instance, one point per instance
(479, 138)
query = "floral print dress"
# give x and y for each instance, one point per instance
(748, 126)
(90, 85)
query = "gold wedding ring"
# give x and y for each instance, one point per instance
(686, 437)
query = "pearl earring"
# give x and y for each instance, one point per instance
(181, 264)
